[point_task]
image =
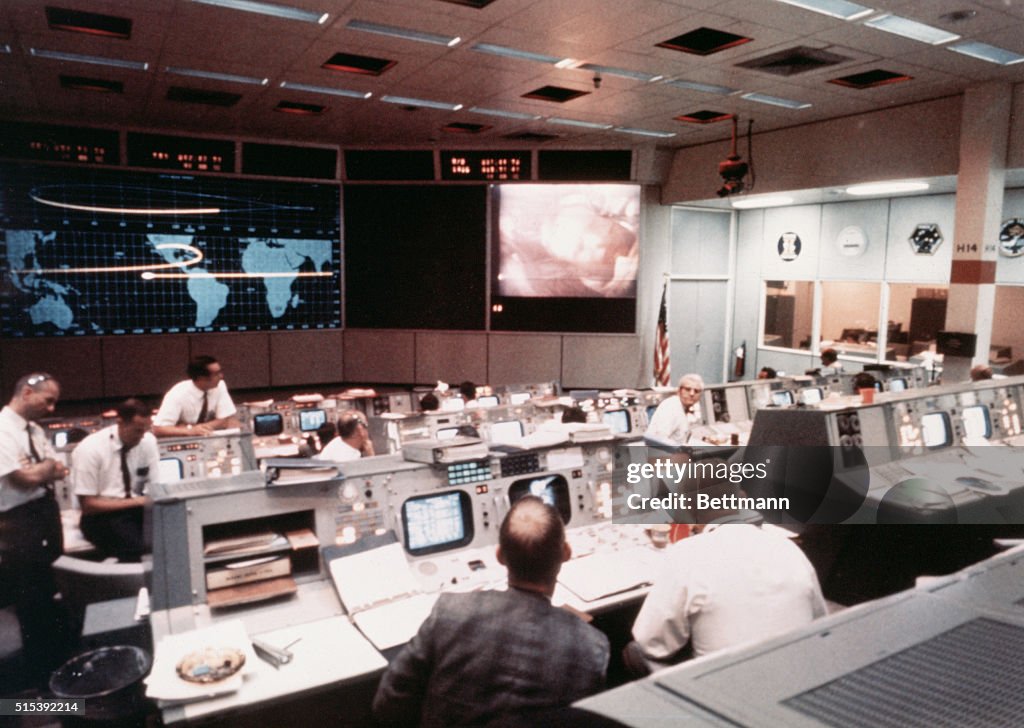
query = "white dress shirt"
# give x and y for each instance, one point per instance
(184, 401)
(672, 422)
(16, 454)
(96, 464)
(339, 451)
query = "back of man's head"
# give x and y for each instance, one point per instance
(468, 390)
(532, 542)
(429, 402)
(198, 366)
(132, 408)
(348, 423)
(829, 356)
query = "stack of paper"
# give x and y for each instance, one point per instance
(164, 683)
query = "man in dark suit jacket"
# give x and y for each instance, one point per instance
(484, 655)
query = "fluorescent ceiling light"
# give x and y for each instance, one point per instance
(623, 72)
(836, 8)
(505, 52)
(408, 101)
(708, 88)
(96, 60)
(886, 188)
(404, 33)
(506, 114)
(775, 101)
(985, 52)
(748, 203)
(214, 76)
(911, 29)
(326, 90)
(272, 9)
(645, 132)
(575, 122)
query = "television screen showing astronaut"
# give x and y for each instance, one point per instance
(568, 240)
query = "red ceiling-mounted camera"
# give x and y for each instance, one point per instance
(733, 169)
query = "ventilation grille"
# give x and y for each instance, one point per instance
(77, 21)
(794, 61)
(530, 136)
(558, 94)
(353, 63)
(704, 41)
(870, 79)
(201, 96)
(969, 677)
(704, 116)
(462, 127)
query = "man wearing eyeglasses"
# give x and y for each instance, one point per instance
(199, 405)
(31, 537)
(676, 415)
(353, 440)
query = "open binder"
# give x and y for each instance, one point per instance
(378, 590)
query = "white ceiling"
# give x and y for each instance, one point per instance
(621, 33)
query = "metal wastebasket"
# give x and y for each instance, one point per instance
(109, 681)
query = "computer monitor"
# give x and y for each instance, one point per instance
(268, 423)
(453, 404)
(489, 400)
(519, 397)
(897, 384)
(60, 438)
(617, 420)
(437, 522)
(552, 489)
(977, 422)
(170, 470)
(935, 430)
(782, 398)
(811, 395)
(311, 419)
(509, 432)
(446, 433)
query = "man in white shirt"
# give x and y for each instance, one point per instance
(197, 406)
(353, 440)
(110, 470)
(734, 583)
(676, 415)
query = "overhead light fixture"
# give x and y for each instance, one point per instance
(506, 52)
(277, 11)
(424, 103)
(506, 114)
(621, 72)
(576, 122)
(750, 203)
(95, 60)
(836, 8)
(775, 101)
(645, 132)
(985, 52)
(885, 188)
(907, 28)
(708, 88)
(215, 76)
(404, 33)
(326, 90)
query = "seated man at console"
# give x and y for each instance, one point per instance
(482, 655)
(676, 415)
(353, 440)
(110, 470)
(197, 406)
(731, 584)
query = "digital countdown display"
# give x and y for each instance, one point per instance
(47, 143)
(157, 151)
(486, 166)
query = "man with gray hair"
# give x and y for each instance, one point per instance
(676, 415)
(31, 536)
(493, 654)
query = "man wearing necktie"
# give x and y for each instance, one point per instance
(676, 415)
(30, 527)
(199, 405)
(110, 470)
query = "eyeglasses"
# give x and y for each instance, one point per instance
(37, 379)
(695, 390)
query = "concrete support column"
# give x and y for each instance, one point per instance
(984, 133)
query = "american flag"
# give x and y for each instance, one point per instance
(662, 367)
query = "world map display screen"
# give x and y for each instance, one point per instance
(87, 251)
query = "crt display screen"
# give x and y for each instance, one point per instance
(311, 419)
(171, 470)
(270, 423)
(977, 422)
(935, 429)
(489, 400)
(811, 395)
(617, 420)
(897, 385)
(519, 397)
(552, 489)
(510, 432)
(433, 523)
(782, 398)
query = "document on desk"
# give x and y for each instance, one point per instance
(381, 594)
(164, 682)
(604, 574)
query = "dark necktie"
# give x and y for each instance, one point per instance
(126, 476)
(32, 452)
(204, 410)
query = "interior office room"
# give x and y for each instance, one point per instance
(567, 204)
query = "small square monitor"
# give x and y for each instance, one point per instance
(171, 470)
(311, 419)
(935, 430)
(509, 432)
(977, 422)
(552, 489)
(811, 395)
(446, 433)
(897, 384)
(268, 423)
(490, 400)
(519, 397)
(617, 420)
(437, 522)
(782, 398)
(60, 438)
